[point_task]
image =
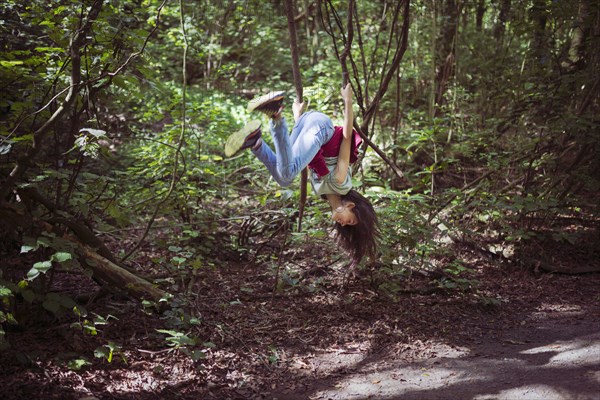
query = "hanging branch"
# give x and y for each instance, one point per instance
(368, 111)
(398, 55)
(363, 62)
(346, 52)
(390, 42)
(289, 11)
(331, 11)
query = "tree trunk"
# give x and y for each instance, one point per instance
(447, 47)
(432, 90)
(539, 18)
(479, 13)
(581, 31)
(502, 19)
(290, 11)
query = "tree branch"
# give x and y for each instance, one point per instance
(399, 54)
(369, 112)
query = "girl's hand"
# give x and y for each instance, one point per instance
(278, 115)
(347, 93)
(297, 109)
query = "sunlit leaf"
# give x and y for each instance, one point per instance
(61, 257)
(43, 266)
(77, 364)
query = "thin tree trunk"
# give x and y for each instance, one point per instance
(447, 48)
(432, 90)
(480, 12)
(502, 20)
(539, 18)
(581, 31)
(289, 10)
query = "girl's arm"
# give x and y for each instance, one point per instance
(341, 170)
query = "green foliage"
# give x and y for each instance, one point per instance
(457, 277)
(90, 327)
(93, 327)
(61, 251)
(273, 356)
(77, 364)
(186, 344)
(409, 237)
(150, 156)
(6, 317)
(88, 141)
(108, 351)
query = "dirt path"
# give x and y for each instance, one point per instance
(540, 340)
(554, 358)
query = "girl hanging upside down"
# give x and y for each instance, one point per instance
(328, 151)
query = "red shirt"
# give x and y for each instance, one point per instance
(332, 149)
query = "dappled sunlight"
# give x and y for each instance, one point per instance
(578, 352)
(543, 361)
(563, 307)
(476, 376)
(386, 378)
(395, 382)
(530, 392)
(335, 358)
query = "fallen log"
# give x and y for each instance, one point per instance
(118, 277)
(104, 269)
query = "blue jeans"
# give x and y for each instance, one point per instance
(293, 152)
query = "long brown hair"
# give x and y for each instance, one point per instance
(361, 239)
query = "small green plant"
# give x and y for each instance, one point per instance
(108, 351)
(62, 254)
(88, 141)
(5, 316)
(90, 327)
(177, 316)
(273, 355)
(78, 363)
(186, 343)
(179, 320)
(456, 279)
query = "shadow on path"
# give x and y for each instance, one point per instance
(555, 359)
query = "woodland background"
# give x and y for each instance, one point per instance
(482, 119)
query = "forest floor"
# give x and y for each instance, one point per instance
(515, 333)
